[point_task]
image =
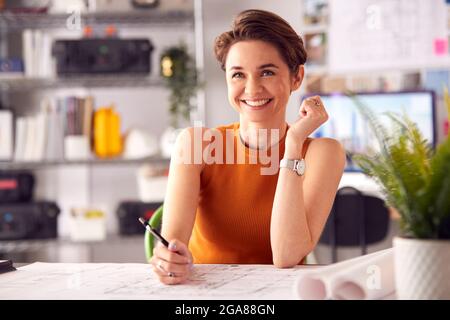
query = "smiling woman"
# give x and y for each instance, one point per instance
(221, 210)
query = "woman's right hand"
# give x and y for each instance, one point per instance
(172, 265)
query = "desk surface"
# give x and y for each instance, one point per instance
(136, 281)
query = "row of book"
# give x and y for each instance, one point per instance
(36, 46)
(40, 137)
(36, 61)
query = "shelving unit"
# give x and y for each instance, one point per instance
(148, 18)
(94, 81)
(27, 244)
(153, 160)
(86, 171)
(18, 83)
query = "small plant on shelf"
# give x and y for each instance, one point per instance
(180, 74)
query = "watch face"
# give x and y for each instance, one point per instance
(301, 167)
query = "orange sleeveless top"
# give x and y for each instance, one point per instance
(232, 223)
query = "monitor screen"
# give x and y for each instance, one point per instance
(346, 125)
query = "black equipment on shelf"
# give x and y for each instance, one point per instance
(103, 56)
(128, 213)
(32, 220)
(16, 186)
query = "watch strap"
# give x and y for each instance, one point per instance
(296, 165)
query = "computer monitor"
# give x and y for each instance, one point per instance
(346, 124)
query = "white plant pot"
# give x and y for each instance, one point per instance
(422, 268)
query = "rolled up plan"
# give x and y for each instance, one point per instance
(371, 279)
(367, 277)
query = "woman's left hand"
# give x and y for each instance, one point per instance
(312, 114)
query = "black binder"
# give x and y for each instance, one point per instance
(6, 266)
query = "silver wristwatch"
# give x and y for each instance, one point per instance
(298, 166)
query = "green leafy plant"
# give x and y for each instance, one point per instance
(180, 74)
(414, 178)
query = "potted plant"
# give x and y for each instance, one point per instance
(415, 180)
(180, 75)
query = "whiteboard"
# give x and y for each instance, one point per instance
(373, 35)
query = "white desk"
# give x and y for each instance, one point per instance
(136, 281)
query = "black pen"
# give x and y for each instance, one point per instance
(154, 232)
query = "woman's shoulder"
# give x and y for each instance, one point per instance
(325, 142)
(193, 141)
(325, 147)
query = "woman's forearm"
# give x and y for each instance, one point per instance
(183, 188)
(290, 236)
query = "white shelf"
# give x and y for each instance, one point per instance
(20, 21)
(20, 83)
(154, 160)
(27, 245)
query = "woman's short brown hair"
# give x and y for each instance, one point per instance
(265, 26)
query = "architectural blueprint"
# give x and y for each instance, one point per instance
(137, 281)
